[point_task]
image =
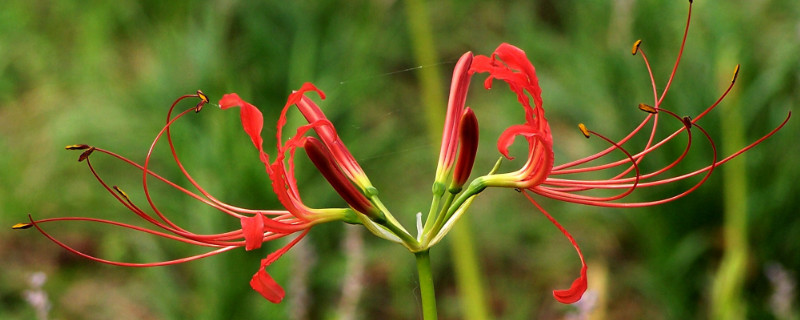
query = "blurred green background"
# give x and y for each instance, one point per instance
(104, 73)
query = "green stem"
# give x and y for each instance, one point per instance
(426, 285)
(429, 221)
(468, 276)
(440, 218)
(394, 228)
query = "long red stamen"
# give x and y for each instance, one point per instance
(126, 264)
(616, 179)
(657, 100)
(231, 210)
(565, 196)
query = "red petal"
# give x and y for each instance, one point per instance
(252, 120)
(517, 71)
(515, 58)
(263, 282)
(297, 95)
(253, 230)
(575, 292)
(267, 287)
(507, 137)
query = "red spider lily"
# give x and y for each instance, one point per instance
(538, 174)
(457, 154)
(257, 226)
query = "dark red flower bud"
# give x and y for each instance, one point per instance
(322, 159)
(468, 138)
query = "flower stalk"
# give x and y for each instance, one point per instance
(426, 290)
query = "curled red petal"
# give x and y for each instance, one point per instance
(517, 71)
(575, 291)
(267, 287)
(253, 230)
(507, 137)
(263, 282)
(252, 119)
(297, 95)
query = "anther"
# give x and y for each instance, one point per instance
(735, 74)
(518, 190)
(203, 100)
(636, 45)
(20, 226)
(647, 108)
(584, 130)
(86, 154)
(77, 147)
(687, 121)
(122, 193)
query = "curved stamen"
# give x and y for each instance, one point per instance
(126, 264)
(231, 210)
(657, 100)
(123, 198)
(596, 202)
(215, 241)
(614, 183)
(582, 187)
(677, 60)
(179, 188)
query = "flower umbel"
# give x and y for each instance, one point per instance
(257, 226)
(539, 175)
(453, 193)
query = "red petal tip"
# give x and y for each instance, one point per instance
(267, 287)
(575, 292)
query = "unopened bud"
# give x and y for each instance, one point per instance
(469, 147)
(322, 159)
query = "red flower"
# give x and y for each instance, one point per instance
(539, 175)
(257, 226)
